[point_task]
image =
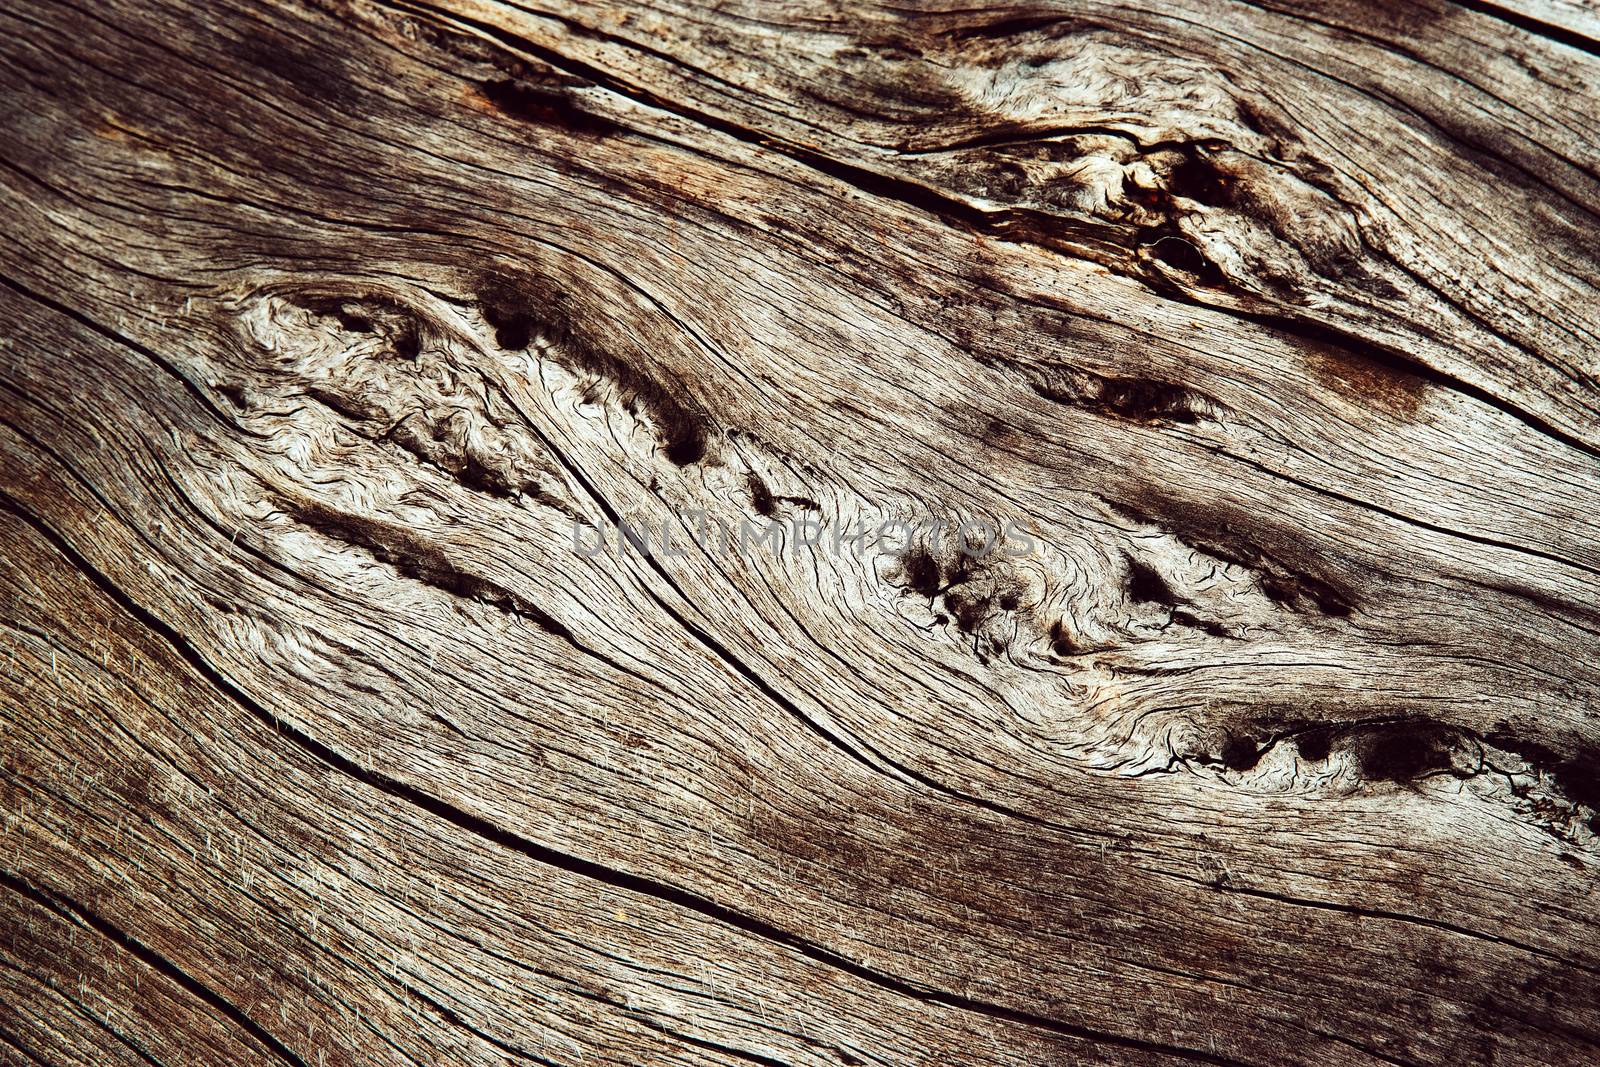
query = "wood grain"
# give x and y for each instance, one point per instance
(333, 335)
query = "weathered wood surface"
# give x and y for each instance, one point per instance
(325, 325)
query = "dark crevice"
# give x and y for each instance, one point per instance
(1403, 748)
(1239, 753)
(574, 865)
(1139, 400)
(1315, 743)
(1226, 536)
(970, 612)
(1198, 178)
(1210, 626)
(416, 557)
(761, 497)
(1394, 748)
(1178, 251)
(67, 908)
(1023, 136)
(1405, 751)
(369, 313)
(1146, 586)
(1576, 775)
(1144, 400)
(766, 502)
(1009, 27)
(522, 309)
(1301, 592)
(413, 556)
(506, 312)
(1021, 225)
(1547, 30)
(921, 572)
(544, 105)
(1061, 644)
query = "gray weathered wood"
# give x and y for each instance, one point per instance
(328, 327)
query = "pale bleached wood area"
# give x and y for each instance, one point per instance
(335, 334)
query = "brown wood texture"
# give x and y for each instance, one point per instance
(333, 334)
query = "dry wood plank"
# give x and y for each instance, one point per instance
(328, 327)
